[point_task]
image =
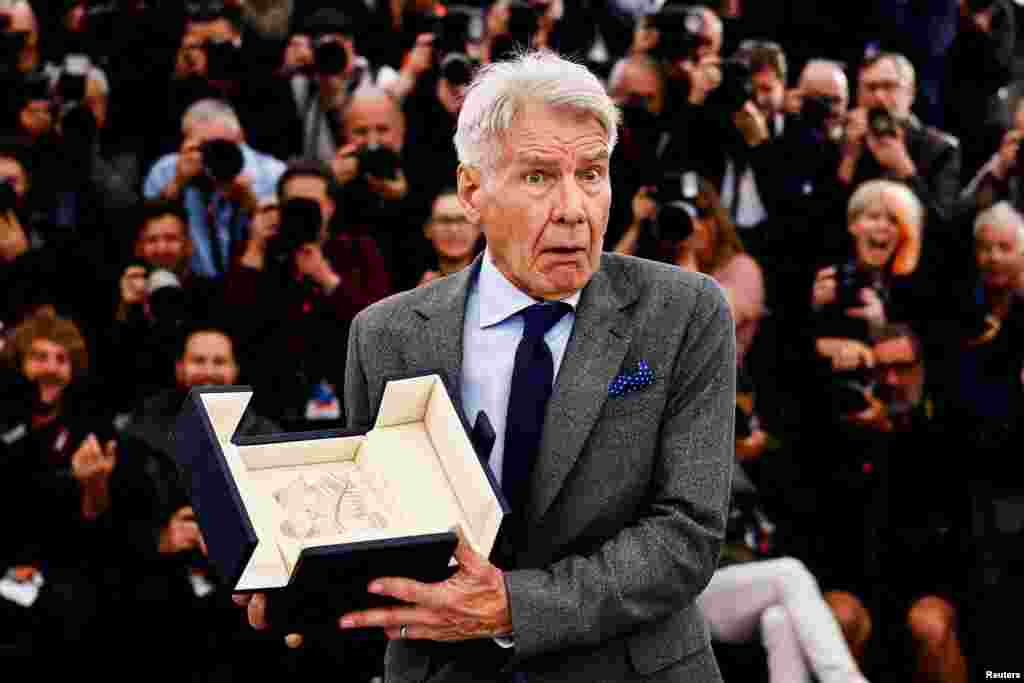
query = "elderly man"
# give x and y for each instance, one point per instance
(925, 158)
(617, 497)
(218, 207)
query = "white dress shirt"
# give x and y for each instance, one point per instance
(491, 334)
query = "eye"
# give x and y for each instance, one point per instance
(591, 175)
(535, 177)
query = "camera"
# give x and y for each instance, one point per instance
(301, 221)
(222, 160)
(8, 195)
(378, 161)
(676, 194)
(849, 281)
(816, 110)
(735, 90)
(457, 69)
(329, 55)
(882, 123)
(452, 31)
(847, 392)
(523, 21)
(166, 300)
(680, 32)
(11, 45)
(71, 82)
(223, 60)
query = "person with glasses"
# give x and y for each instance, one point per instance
(456, 241)
(884, 139)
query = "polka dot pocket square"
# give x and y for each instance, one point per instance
(629, 382)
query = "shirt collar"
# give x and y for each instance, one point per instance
(500, 299)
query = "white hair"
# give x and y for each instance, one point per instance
(1001, 214)
(872, 192)
(210, 111)
(501, 90)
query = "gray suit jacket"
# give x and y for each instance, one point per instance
(628, 495)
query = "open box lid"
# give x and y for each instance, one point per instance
(416, 418)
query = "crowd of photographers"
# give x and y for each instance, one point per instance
(207, 192)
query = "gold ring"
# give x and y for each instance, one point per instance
(402, 631)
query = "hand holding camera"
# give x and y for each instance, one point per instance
(750, 121)
(847, 288)
(421, 57)
(310, 262)
(92, 466)
(1006, 162)
(133, 286)
(13, 241)
(886, 139)
(181, 534)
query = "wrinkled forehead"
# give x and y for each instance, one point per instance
(1001, 232)
(539, 130)
(882, 70)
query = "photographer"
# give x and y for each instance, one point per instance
(325, 71)
(376, 179)
(885, 140)
(1000, 178)
(294, 293)
(158, 297)
(218, 178)
(681, 221)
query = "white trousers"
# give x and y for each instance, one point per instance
(797, 627)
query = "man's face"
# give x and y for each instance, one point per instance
(208, 359)
(450, 232)
(298, 54)
(23, 21)
(881, 86)
(36, 118)
(998, 252)
(640, 84)
(163, 243)
(49, 364)
(375, 121)
(13, 172)
(314, 188)
(544, 208)
(711, 35)
(769, 91)
(899, 372)
(876, 235)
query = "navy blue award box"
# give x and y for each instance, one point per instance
(313, 517)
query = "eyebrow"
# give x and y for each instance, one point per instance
(531, 159)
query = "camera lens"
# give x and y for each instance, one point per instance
(222, 160)
(8, 196)
(456, 69)
(881, 122)
(329, 56)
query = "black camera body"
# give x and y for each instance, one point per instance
(8, 196)
(735, 90)
(676, 195)
(329, 55)
(850, 280)
(378, 161)
(457, 69)
(882, 123)
(11, 45)
(223, 61)
(847, 390)
(680, 32)
(222, 160)
(301, 220)
(523, 21)
(816, 110)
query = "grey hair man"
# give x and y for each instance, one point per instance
(610, 384)
(222, 182)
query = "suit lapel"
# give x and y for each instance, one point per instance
(601, 336)
(443, 316)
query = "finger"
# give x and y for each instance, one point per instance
(467, 556)
(134, 271)
(241, 599)
(257, 611)
(348, 150)
(390, 617)
(411, 591)
(827, 272)
(111, 450)
(293, 641)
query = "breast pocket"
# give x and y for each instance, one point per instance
(648, 398)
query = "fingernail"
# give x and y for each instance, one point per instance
(347, 622)
(376, 587)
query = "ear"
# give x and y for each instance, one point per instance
(179, 371)
(470, 192)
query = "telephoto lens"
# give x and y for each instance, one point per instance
(222, 160)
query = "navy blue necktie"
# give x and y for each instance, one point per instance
(532, 382)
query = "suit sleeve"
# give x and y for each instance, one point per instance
(938, 191)
(357, 399)
(658, 565)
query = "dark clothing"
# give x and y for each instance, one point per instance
(290, 334)
(429, 154)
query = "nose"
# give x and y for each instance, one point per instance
(569, 204)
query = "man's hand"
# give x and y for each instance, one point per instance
(345, 165)
(421, 56)
(1006, 158)
(13, 240)
(188, 165)
(875, 416)
(473, 603)
(846, 354)
(240, 190)
(823, 291)
(133, 285)
(181, 533)
(752, 124)
(311, 262)
(643, 205)
(891, 153)
(390, 190)
(91, 466)
(873, 309)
